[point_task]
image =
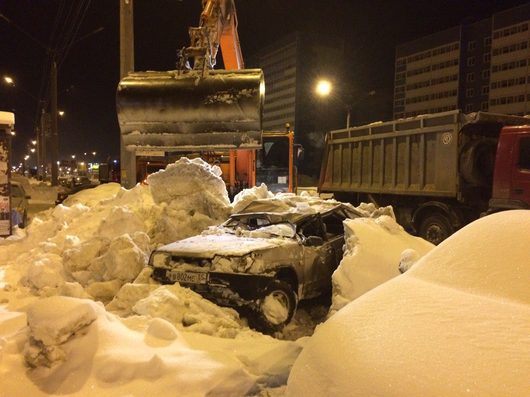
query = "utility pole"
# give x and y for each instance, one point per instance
(126, 37)
(43, 138)
(127, 158)
(55, 133)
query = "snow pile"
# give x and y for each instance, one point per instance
(192, 196)
(52, 322)
(94, 353)
(96, 246)
(182, 307)
(245, 197)
(373, 254)
(455, 324)
(101, 238)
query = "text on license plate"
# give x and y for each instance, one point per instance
(188, 277)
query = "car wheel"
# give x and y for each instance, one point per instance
(276, 307)
(435, 228)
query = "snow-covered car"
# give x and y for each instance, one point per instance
(19, 204)
(260, 259)
(457, 323)
(71, 185)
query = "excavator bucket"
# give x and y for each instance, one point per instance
(191, 110)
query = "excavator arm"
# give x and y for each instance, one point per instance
(217, 28)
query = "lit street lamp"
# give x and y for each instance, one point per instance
(323, 88)
(9, 80)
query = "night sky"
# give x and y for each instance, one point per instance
(89, 71)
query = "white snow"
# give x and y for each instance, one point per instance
(56, 340)
(456, 324)
(80, 315)
(373, 254)
(274, 310)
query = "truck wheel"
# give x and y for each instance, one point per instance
(435, 228)
(276, 307)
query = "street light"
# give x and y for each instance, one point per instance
(323, 88)
(9, 80)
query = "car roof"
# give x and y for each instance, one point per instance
(295, 211)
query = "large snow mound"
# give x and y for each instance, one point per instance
(456, 324)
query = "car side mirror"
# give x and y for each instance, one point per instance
(313, 241)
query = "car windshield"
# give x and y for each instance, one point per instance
(16, 191)
(260, 224)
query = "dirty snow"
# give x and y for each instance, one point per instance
(80, 315)
(456, 324)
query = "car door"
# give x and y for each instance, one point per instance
(318, 257)
(334, 227)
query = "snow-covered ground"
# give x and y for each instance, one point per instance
(456, 324)
(80, 315)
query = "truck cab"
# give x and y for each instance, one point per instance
(511, 179)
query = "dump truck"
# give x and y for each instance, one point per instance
(438, 171)
(199, 111)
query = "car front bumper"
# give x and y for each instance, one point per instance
(229, 289)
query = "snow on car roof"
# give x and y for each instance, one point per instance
(294, 208)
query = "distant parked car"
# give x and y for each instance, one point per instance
(261, 259)
(19, 204)
(71, 185)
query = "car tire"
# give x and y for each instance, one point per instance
(275, 308)
(435, 228)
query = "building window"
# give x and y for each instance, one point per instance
(487, 57)
(471, 61)
(485, 90)
(468, 108)
(470, 93)
(485, 74)
(484, 106)
(470, 77)
(471, 45)
(487, 42)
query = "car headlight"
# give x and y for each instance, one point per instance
(160, 259)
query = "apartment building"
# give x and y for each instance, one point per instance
(477, 66)
(291, 67)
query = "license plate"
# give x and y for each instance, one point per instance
(187, 277)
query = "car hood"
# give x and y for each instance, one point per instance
(208, 246)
